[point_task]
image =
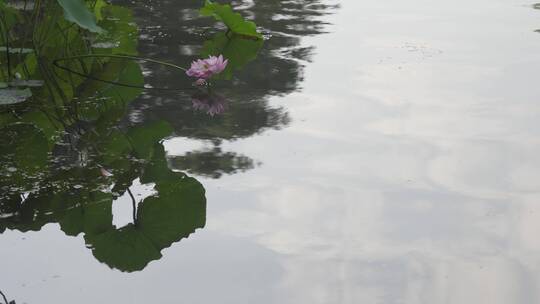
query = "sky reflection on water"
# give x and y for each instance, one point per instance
(406, 171)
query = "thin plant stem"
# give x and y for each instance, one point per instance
(5, 31)
(4, 296)
(134, 204)
(88, 76)
(125, 57)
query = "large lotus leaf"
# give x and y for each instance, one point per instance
(234, 21)
(23, 155)
(236, 49)
(126, 249)
(139, 142)
(178, 208)
(43, 122)
(127, 72)
(173, 214)
(157, 170)
(10, 205)
(121, 32)
(143, 140)
(59, 33)
(124, 177)
(37, 210)
(145, 137)
(110, 100)
(92, 215)
(114, 146)
(77, 12)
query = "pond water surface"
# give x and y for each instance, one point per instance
(373, 152)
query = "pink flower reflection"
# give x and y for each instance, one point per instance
(200, 82)
(206, 68)
(212, 104)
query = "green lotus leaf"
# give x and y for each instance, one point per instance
(234, 21)
(77, 12)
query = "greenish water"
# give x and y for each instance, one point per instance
(366, 152)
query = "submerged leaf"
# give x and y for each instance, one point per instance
(13, 96)
(234, 21)
(76, 11)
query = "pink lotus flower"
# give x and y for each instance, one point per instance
(206, 68)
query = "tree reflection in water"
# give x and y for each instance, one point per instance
(173, 31)
(65, 157)
(80, 145)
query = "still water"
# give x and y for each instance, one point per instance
(373, 152)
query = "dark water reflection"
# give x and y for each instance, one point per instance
(172, 31)
(108, 151)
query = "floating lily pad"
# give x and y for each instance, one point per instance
(13, 96)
